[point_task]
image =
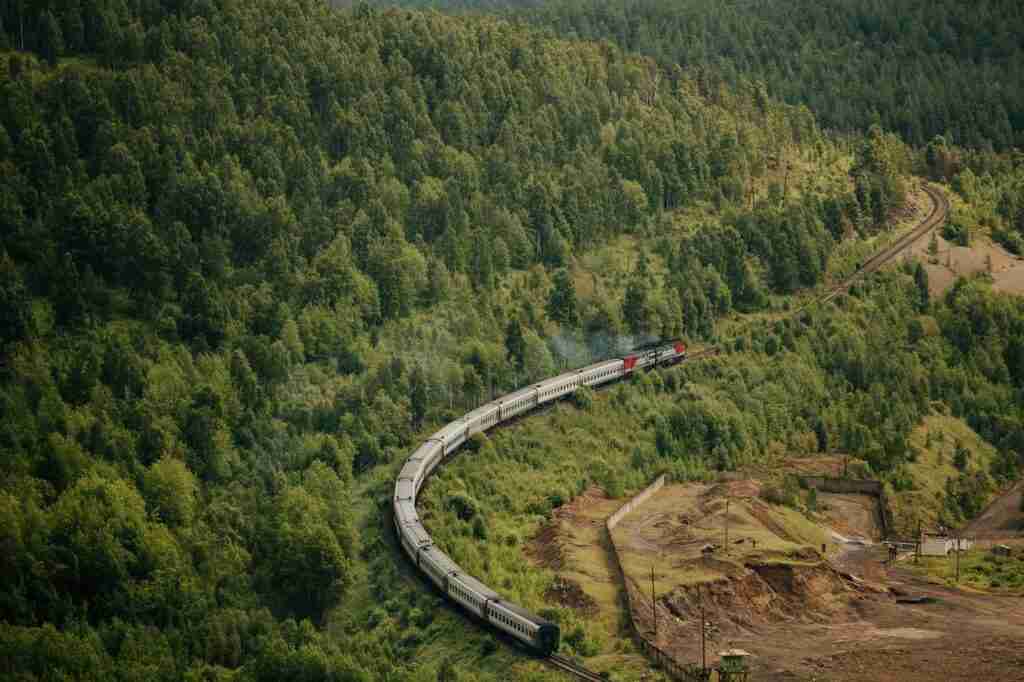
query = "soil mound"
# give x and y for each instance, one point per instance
(545, 548)
(743, 488)
(568, 592)
(767, 593)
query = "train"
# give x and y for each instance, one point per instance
(538, 634)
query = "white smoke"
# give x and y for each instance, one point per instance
(572, 348)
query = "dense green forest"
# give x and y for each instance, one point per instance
(918, 68)
(251, 251)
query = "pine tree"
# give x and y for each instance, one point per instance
(562, 301)
(51, 39)
(635, 309)
(921, 280)
(418, 396)
(515, 343)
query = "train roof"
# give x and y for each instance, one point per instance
(475, 585)
(441, 560)
(603, 363)
(654, 344)
(449, 429)
(411, 468)
(417, 533)
(406, 511)
(564, 376)
(519, 393)
(523, 613)
(486, 408)
(425, 448)
(404, 489)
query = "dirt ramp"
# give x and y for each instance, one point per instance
(1003, 519)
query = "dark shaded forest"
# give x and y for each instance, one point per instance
(917, 68)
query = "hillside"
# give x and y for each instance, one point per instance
(918, 68)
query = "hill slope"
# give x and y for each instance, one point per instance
(918, 68)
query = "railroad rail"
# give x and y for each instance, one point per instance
(940, 209)
(476, 597)
(567, 665)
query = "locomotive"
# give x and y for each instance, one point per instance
(478, 599)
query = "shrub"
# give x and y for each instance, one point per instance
(479, 528)
(464, 506)
(583, 398)
(476, 442)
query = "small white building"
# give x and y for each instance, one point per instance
(940, 545)
(936, 546)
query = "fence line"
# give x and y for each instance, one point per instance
(677, 671)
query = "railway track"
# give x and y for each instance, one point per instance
(936, 216)
(940, 209)
(566, 665)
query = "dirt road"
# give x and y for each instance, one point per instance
(1002, 519)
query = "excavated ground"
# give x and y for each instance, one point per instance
(801, 615)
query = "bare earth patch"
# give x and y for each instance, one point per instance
(951, 261)
(1003, 519)
(567, 592)
(803, 617)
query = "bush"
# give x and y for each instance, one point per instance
(583, 398)
(476, 442)
(479, 528)
(957, 233)
(788, 494)
(812, 499)
(464, 506)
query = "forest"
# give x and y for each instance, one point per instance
(251, 251)
(917, 68)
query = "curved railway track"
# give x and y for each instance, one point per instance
(938, 214)
(547, 391)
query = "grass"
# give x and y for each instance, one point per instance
(935, 442)
(979, 569)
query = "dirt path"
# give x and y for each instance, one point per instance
(1002, 519)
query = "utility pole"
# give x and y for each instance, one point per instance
(725, 545)
(703, 627)
(957, 550)
(654, 606)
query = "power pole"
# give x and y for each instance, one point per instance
(957, 550)
(654, 606)
(703, 627)
(726, 543)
